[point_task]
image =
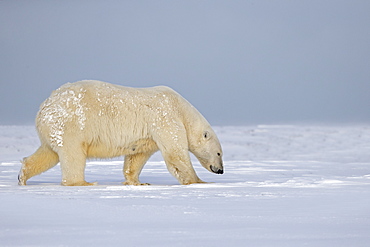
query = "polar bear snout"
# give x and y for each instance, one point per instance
(217, 170)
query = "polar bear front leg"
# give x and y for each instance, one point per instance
(132, 168)
(72, 163)
(179, 165)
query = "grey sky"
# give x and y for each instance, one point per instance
(238, 62)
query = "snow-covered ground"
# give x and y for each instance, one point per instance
(301, 185)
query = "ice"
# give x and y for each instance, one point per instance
(302, 185)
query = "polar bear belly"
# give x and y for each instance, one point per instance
(102, 150)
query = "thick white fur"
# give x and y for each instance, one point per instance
(93, 119)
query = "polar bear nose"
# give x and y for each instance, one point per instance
(217, 170)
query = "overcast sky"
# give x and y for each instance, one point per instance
(238, 62)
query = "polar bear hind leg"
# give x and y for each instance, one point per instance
(42, 160)
(72, 164)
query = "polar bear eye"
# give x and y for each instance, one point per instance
(206, 134)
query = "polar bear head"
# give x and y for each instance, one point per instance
(206, 147)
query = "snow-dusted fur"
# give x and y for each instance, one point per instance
(93, 119)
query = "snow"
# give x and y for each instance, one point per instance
(302, 185)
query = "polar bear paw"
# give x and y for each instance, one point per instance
(82, 183)
(135, 183)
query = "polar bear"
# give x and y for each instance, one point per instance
(94, 119)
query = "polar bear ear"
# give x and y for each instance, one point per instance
(206, 135)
